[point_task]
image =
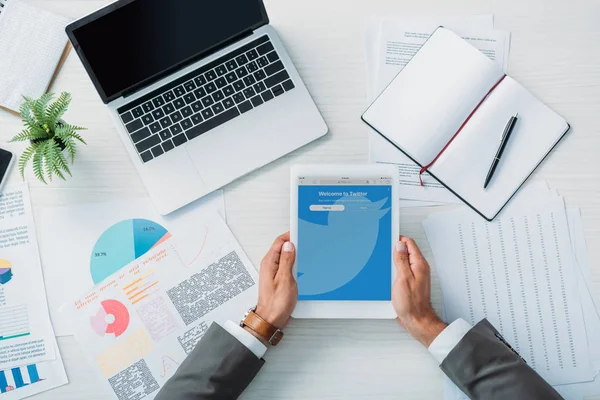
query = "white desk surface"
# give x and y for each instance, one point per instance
(555, 53)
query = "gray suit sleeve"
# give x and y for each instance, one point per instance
(220, 367)
(484, 366)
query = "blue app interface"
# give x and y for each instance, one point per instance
(344, 239)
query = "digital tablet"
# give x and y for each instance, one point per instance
(344, 223)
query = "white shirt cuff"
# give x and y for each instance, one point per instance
(246, 338)
(448, 339)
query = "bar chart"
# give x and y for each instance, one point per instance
(16, 378)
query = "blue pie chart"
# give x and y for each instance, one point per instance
(123, 243)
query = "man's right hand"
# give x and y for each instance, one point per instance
(277, 288)
(411, 293)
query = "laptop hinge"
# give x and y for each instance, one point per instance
(150, 81)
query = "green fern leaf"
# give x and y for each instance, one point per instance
(29, 121)
(57, 109)
(78, 137)
(23, 136)
(70, 147)
(38, 108)
(38, 162)
(55, 160)
(68, 131)
(24, 159)
(25, 111)
(61, 163)
(48, 151)
(25, 107)
(49, 158)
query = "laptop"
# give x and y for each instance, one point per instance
(201, 92)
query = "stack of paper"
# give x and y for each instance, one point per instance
(390, 44)
(527, 273)
(30, 361)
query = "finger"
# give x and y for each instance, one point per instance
(414, 254)
(418, 263)
(287, 259)
(401, 261)
(270, 263)
(274, 253)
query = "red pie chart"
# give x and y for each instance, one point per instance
(111, 319)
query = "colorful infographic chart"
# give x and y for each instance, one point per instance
(16, 378)
(111, 318)
(122, 243)
(5, 271)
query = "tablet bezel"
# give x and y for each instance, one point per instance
(347, 309)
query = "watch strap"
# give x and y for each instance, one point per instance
(262, 328)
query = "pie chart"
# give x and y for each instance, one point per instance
(111, 318)
(5, 271)
(122, 243)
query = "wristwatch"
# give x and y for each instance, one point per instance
(262, 328)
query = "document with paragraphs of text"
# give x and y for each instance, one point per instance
(30, 360)
(26, 334)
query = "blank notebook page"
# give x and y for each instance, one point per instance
(32, 42)
(427, 102)
(464, 165)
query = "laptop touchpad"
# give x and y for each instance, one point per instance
(228, 152)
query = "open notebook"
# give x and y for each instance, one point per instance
(447, 85)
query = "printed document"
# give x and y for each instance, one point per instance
(26, 335)
(27, 380)
(109, 236)
(138, 325)
(373, 35)
(519, 272)
(575, 391)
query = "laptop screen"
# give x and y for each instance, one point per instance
(122, 46)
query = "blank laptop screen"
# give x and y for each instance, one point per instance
(144, 38)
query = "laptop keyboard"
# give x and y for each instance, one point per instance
(205, 98)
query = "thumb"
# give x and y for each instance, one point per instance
(287, 259)
(401, 261)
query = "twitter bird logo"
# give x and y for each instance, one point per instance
(340, 249)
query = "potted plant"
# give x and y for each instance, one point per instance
(49, 137)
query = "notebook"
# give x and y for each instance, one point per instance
(447, 110)
(33, 46)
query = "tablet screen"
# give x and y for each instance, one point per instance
(344, 238)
